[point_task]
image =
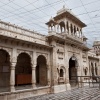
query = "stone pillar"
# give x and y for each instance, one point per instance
(94, 68)
(67, 79)
(58, 28)
(12, 77)
(55, 28)
(53, 64)
(65, 26)
(81, 34)
(66, 63)
(34, 76)
(69, 26)
(67, 75)
(89, 68)
(48, 75)
(73, 30)
(34, 64)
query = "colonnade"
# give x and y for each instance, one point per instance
(66, 27)
(13, 62)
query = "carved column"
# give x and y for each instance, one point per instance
(12, 70)
(65, 26)
(12, 77)
(81, 34)
(55, 28)
(94, 68)
(73, 30)
(90, 73)
(60, 29)
(34, 76)
(69, 26)
(34, 64)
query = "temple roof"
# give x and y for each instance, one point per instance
(65, 12)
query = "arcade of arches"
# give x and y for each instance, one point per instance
(23, 70)
(68, 27)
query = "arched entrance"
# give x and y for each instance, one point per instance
(41, 71)
(23, 70)
(4, 69)
(73, 71)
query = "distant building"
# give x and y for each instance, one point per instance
(96, 46)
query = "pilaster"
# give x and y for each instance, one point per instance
(48, 75)
(68, 87)
(53, 65)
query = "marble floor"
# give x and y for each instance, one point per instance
(84, 93)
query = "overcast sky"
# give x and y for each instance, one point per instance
(33, 14)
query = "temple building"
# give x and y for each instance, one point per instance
(96, 46)
(33, 64)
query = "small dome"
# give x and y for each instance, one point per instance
(51, 19)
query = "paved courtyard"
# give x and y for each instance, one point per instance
(75, 94)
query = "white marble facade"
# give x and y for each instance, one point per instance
(53, 58)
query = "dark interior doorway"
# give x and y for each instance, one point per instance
(72, 72)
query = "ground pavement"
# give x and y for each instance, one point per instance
(85, 93)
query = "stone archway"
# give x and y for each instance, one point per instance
(62, 75)
(4, 68)
(41, 71)
(73, 64)
(23, 70)
(62, 26)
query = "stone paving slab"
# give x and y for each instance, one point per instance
(74, 94)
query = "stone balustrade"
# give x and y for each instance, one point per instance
(14, 31)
